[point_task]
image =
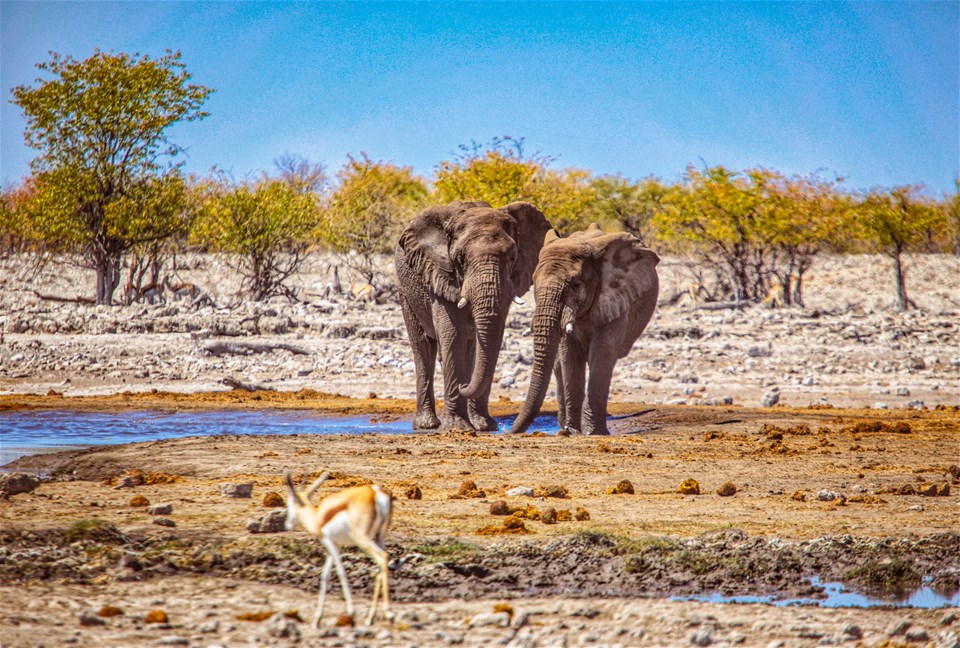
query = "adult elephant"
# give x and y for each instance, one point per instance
(459, 266)
(595, 293)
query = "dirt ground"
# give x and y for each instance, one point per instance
(827, 483)
(817, 495)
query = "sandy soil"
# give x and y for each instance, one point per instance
(817, 488)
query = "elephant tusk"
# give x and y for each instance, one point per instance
(462, 302)
(519, 302)
(568, 328)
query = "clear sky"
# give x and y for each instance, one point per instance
(868, 90)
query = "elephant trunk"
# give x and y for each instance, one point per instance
(546, 327)
(488, 298)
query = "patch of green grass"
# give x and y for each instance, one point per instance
(446, 550)
(645, 544)
(892, 577)
(95, 530)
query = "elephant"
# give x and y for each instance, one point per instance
(596, 293)
(459, 268)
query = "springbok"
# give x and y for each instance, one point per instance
(356, 516)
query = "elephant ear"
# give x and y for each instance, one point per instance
(531, 228)
(426, 247)
(627, 275)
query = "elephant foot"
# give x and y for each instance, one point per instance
(599, 432)
(455, 422)
(483, 422)
(426, 421)
(568, 431)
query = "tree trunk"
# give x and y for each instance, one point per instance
(903, 301)
(108, 278)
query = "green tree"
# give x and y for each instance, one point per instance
(264, 228)
(721, 217)
(500, 173)
(101, 127)
(363, 216)
(630, 205)
(899, 221)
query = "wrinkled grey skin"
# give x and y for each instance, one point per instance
(595, 294)
(459, 267)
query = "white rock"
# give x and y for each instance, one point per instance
(520, 491)
(501, 619)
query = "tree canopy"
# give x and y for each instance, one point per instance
(101, 128)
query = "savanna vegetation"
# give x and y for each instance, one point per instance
(106, 185)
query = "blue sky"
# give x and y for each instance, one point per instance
(869, 91)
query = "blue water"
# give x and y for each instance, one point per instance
(26, 432)
(837, 596)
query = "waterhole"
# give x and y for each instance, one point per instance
(840, 596)
(27, 432)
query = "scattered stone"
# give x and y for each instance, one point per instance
(273, 500)
(166, 522)
(500, 507)
(915, 404)
(238, 491)
(110, 611)
(209, 627)
(581, 515)
(916, 507)
(880, 406)
(156, 616)
(770, 398)
(273, 522)
(160, 509)
(173, 641)
(907, 489)
(623, 487)
(413, 493)
(702, 638)
(548, 515)
(903, 391)
(930, 490)
(727, 490)
(90, 618)
(917, 635)
(139, 501)
(853, 631)
(689, 487)
(520, 491)
(283, 628)
(949, 618)
(16, 483)
(898, 628)
(501, 619)
(828, 495)
(760, 351)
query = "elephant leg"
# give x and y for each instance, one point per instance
(573, 367)
(425, 361)
(561, 401)
(453, 336)
(602, 358)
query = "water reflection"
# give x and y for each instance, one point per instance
(33, 431)
(836, 595)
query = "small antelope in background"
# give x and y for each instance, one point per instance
(356, 516)
(184, 290)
